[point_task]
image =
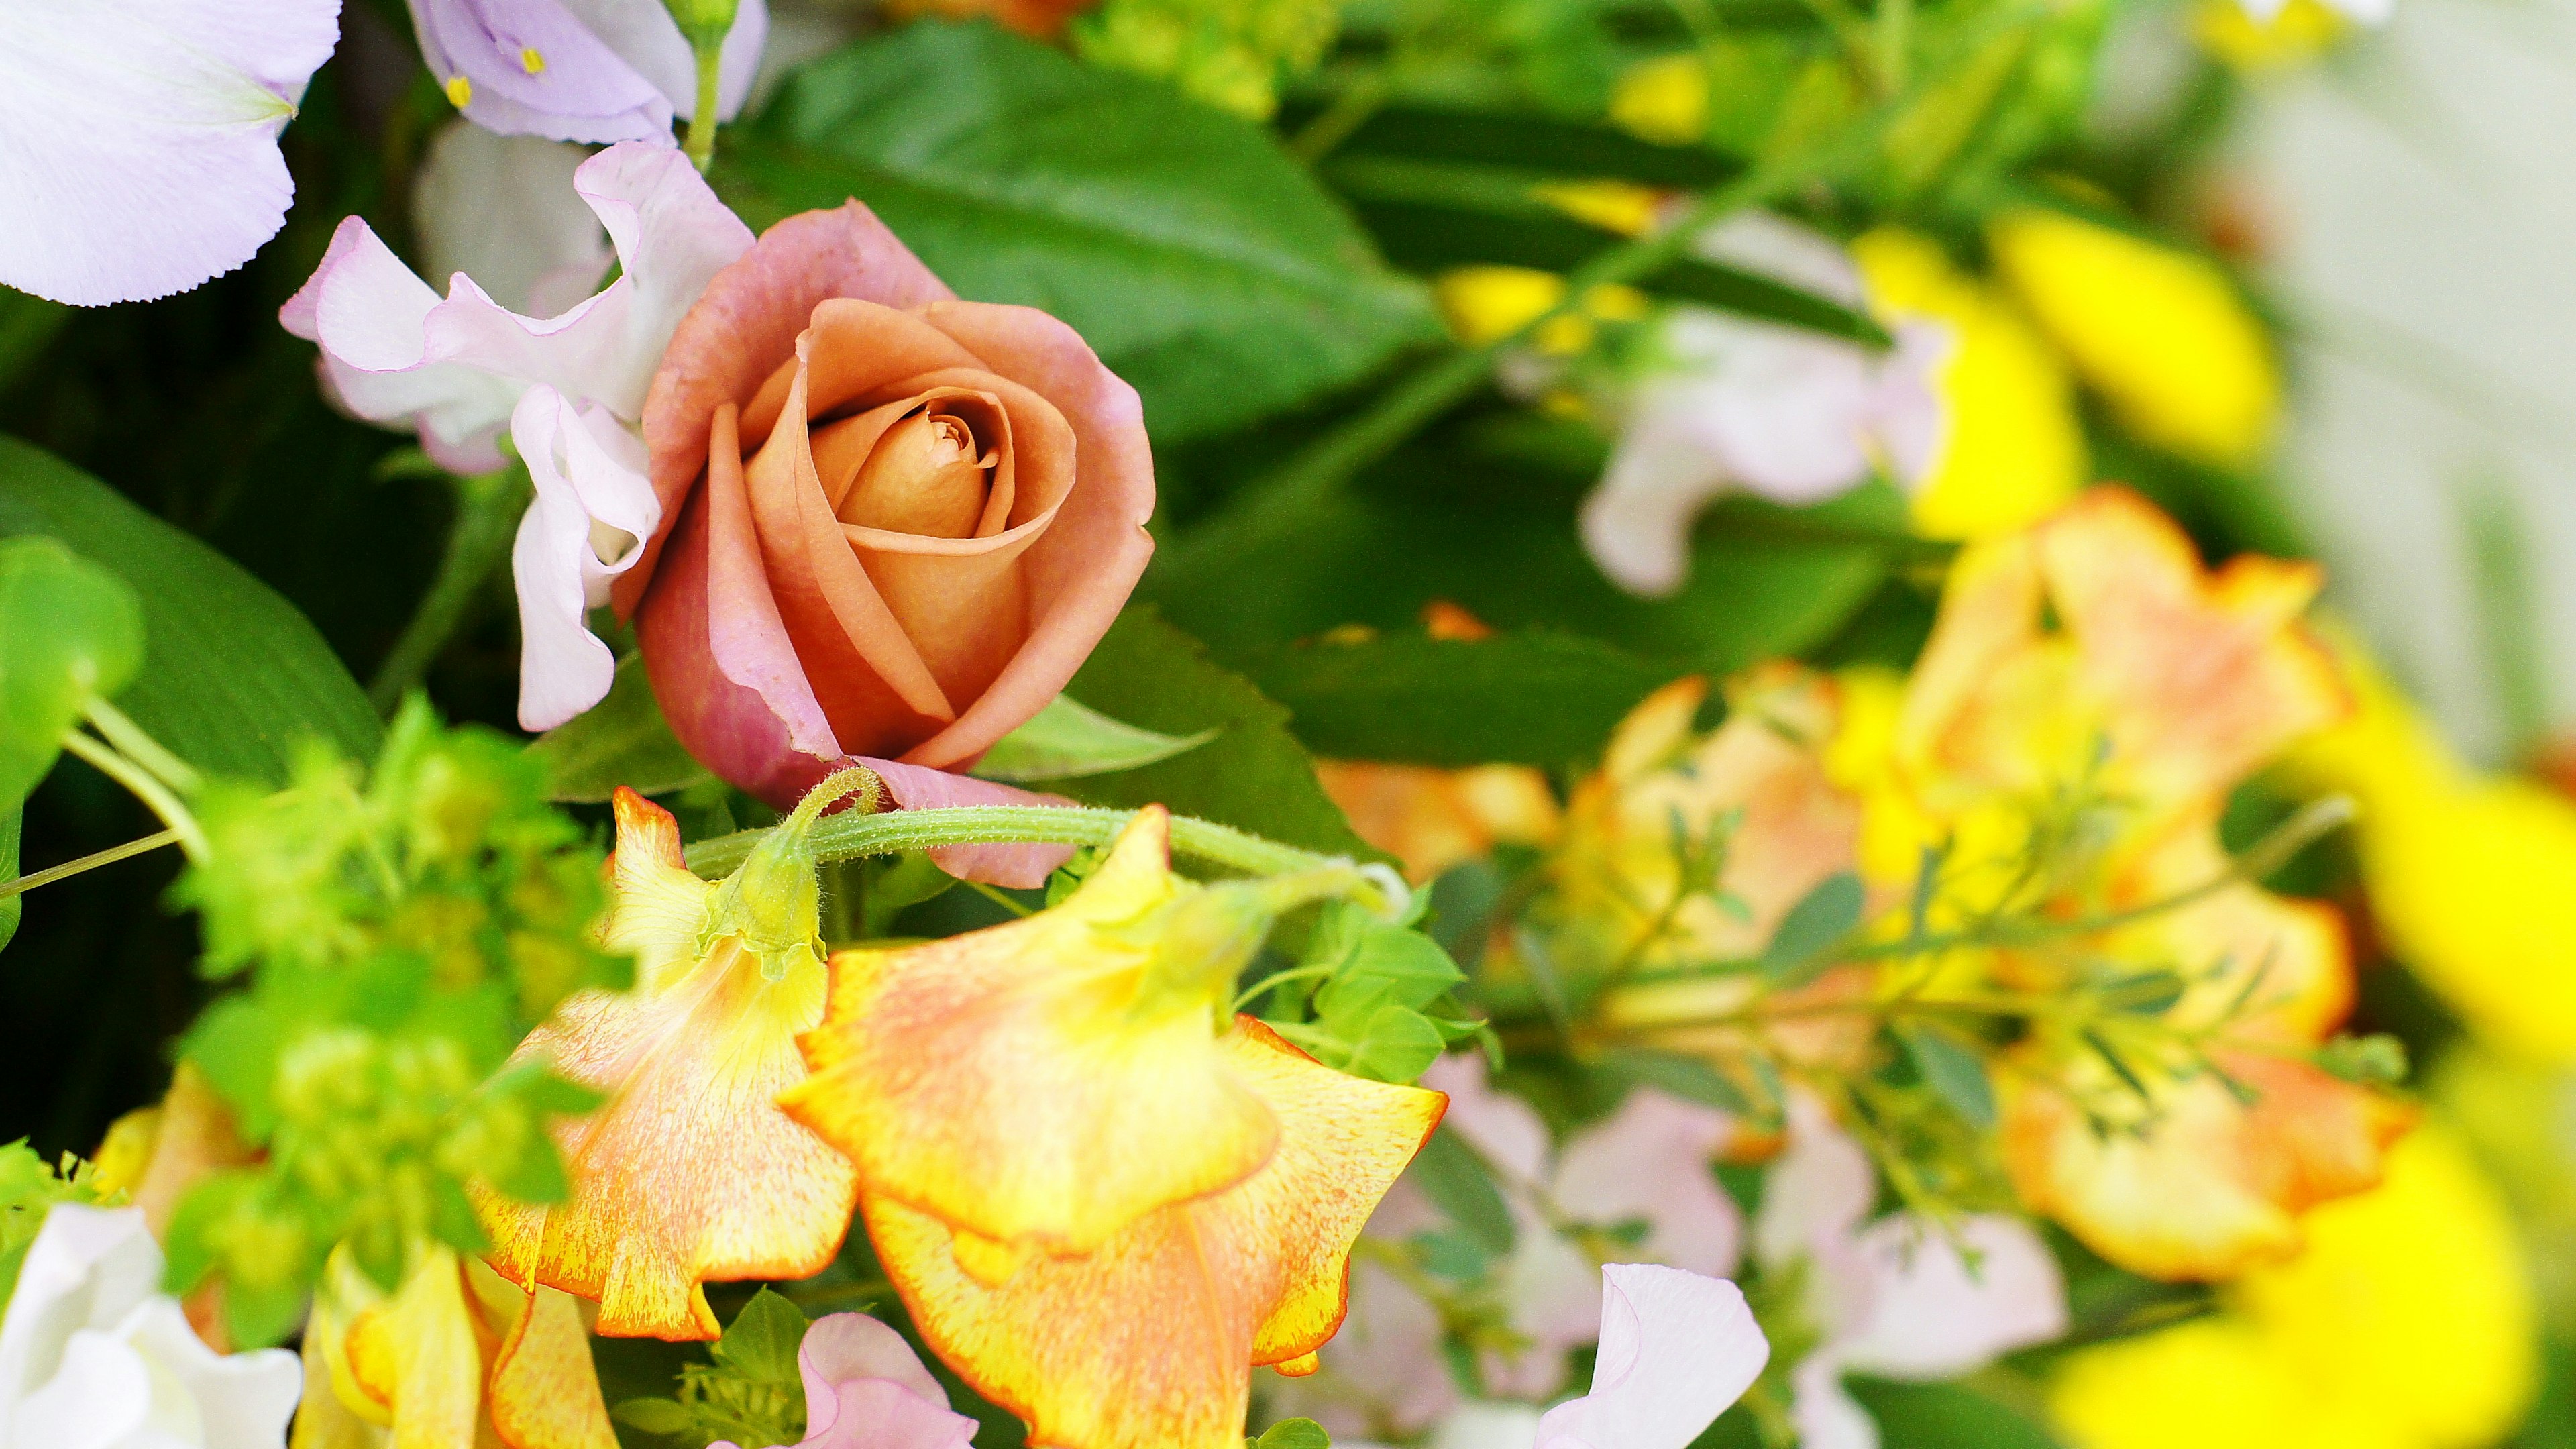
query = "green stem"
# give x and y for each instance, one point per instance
(701, 143)
(91, 861)
(488, 506)
(173, 813)
(142, 749)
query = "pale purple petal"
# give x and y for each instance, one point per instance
(881, 1414)
(1651, 1160)
(1501, 1127)
(1021, 866)
(502, 210)
(1825, 1413)
(1934, 1316)
(1907, 414)
(593, 509)
(529, 67)
(1771, 246)
(1676, 1349)
(1636, 524)
(140, 154)
(672, 236)
(644, 35)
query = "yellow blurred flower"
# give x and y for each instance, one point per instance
(2012, 447)
(2406, 1324)
(2160, 333)
(2299, 33)
(2469, 874)
(1489, 303)
(1664, 99)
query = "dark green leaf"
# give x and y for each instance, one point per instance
(1954, 1072)
(1529, 696)
(1944, 1416)
(232, 674)
(1203, 264)
(1293, 1434)
(1539, 143)
(26, 325)
(1068, 740)
(622, 740)
(1459, 1183)
(70, 633)
(1686, 1077)
(1820, 920)
(1254, 775)
(762, 1340)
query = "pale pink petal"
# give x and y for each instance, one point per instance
(529, 67)
(1774, 247)
(1384, 1366)
(1488, 1426)
(1934, 1316)
(1502, 1128)
(1826, 1414)
(672, 238)
(1022, 866)
(1651, 1160)
(140, 154)
(841, 1347)
(502, 210)
(1636, 524)
(1551, 1289)
(1676, 1349)
(1816, 1195)
(586, 524)
(882, 1414)
(647, 39)
(1907, 414)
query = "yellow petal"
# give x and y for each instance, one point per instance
(545, 1390)
(1026, 1082)
(689, 1173)
(418, 1354)
(2161, 333)
(1148, 1342)
(659, 911)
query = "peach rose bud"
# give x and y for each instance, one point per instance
(897, 522)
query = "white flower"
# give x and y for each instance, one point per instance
(138, 138)
(1790, 415)
(570, 387)
(1894, 1297)
(94, 1356)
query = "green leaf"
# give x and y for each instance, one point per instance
(1944, 1416)
(655, 1416)
(1539, 143)
(1393, 1044)
(1387, 965)
(233, 676)
(1954, 1072)
(12, 824)
(27, 324)
(1459, 1183)
(1204, 265)
(70, 633)
(1293, 1434)
(622, 740)
(762, 1340)
(1068, 740)
(1253, 775)
(1686, 1077)
(1820, 919)
(1530, 696)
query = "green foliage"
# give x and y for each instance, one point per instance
(1944, 1416)
(750, 1393)
(1377, 989)
(12, 825)
(1068, 739)
(1457, 1180)
(1293, 1434)
(1232, 54)
(1955, 1072)
(401, 932)
(622, 740)
(1253, 775)
(70, 634)
(1814, 926)
(28, 1188)
(1531, 696)
(1204, 265)
(234, 677)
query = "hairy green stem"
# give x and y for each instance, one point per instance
(488, 506)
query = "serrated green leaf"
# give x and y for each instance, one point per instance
(1204, 265)
(622, 740)
(1953, 1071)
(1391, 1044)
(1529, 696)
(1454, 1176)
(1686, 1077)
(1070, 740)
(1293, 1434)
(1253, 775)
(1820, 920)
(762, 1340)
(232, 675)
(1386, 965)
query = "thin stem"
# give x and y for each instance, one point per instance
(487, 515)
(173, 813)
(91, 861)
(999, 897)
(142, 749)
(1349, 111)
(701, 144)
(1281, 978)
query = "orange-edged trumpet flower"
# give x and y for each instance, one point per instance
(688, 1173)
(1103, 1197)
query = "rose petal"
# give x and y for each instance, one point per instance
(142, 155)
(1676, 1349)
(1021, 866)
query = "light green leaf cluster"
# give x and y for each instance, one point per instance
(1379, 1002)
(1232, 54)
(751, 1392)
(29, 1186)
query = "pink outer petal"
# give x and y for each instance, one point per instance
(1498, 1125)
(1650, 1160)
(1023, 867)
(1676, 1349)
(881, 1414)
(745, 324)
(1931, 1317)
(844, 1347)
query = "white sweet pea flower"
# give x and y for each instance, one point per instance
(2363, 12)
(138, 138)
(570, 387)
(1895, 1297)
(1676, 1349)
(94, 1356)
(1789, 415)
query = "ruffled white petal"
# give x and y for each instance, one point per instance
(1676, 1349)
(594, 507)
(1825, 1413)
(138, 139)
(87, 1268)
(502, 210)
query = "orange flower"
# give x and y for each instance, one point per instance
(1432, 819)
(1103, 1199)
(689, 1173)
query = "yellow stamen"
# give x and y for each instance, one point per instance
(531, 61)
(459, 91)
